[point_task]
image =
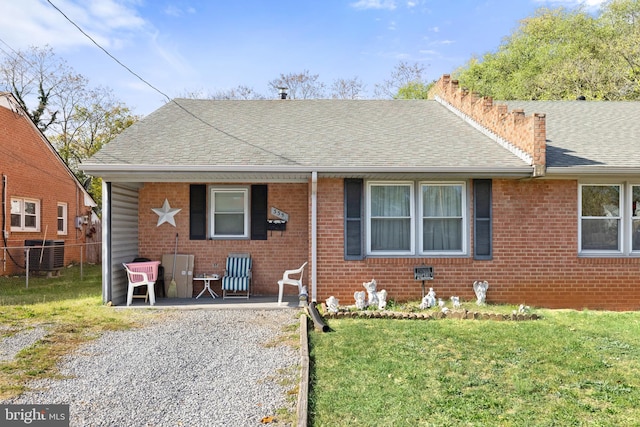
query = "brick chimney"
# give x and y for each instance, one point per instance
(524, 134)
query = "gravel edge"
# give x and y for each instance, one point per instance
(185, 369)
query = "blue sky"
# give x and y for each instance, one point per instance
(181, 46)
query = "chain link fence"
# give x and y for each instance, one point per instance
(47, 257)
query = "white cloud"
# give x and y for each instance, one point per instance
(36, 23)
(374, 4)
(591, 4)
(175, 11)
(172, 10)
(442, 42)
(114, 15)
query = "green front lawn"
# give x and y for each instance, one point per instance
(568, 369)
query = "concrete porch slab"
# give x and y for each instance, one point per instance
(208, 303)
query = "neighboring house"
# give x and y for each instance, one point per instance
(543, 205)
(42, 200)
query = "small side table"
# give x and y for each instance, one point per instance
(207, 278)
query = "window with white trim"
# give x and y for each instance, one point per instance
(609, 219)
(62, 218)
(425, 218)
(635, 218)
(229, 212)
(442, 217)
(25, 214)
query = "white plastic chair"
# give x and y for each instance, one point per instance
(287, 280)
(142, 274)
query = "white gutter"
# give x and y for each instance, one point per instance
(592, 170)
(142, 169)
(314, 234)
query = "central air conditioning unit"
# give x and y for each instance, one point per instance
(45, 256)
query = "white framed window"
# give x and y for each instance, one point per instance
(229, 212)
(25, 214)
(424, 218)
(390, 218)
(609, 219)
(635, 218)
(443, 207)
(62, 218)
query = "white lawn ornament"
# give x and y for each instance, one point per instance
(371, 292)
(429, 300)
(382, 299)
(361, 302)
(332, 304)
(456, 302)
(441, 303)
(480, 288)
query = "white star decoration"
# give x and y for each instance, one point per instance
(166, 214)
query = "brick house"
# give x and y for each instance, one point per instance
(42, 200)
(537, 198)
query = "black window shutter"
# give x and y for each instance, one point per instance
(259, 212)
(197, 212)
(353, 217)
(482, 229)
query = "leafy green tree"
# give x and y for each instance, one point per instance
(414, 90)
(622, 20)
(562, 54)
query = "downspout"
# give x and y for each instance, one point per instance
(314, 234)
(4, 213)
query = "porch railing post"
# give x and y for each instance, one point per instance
(26, 261)
(81, 264)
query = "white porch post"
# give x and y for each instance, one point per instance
(314, 234)
(106, 236)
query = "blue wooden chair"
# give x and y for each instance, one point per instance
(236, 281)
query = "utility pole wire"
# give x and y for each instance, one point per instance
(107, 52)
(166, 96)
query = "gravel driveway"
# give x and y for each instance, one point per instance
(188, 368)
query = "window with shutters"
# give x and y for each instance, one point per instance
(412, 218)
(229, 212)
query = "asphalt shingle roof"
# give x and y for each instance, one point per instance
(315, 133)
(588, 133)
(365, 134)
